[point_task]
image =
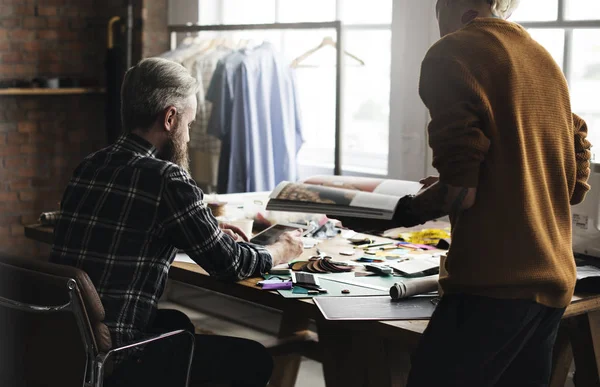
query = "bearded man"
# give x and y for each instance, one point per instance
(127, 210)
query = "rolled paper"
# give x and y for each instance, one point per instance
(414, 287)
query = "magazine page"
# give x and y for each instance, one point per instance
(367, 184)
(398, 187)
(326, 195)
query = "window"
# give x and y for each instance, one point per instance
(570, 31)
(365, 90)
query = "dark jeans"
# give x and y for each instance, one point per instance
(217, 359)
(480, 341)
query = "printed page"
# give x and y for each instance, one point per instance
(325, 195)
(376, 201)
(299, 192)
(275, 193)
(587, 271)
(398, 188)
(365, 184)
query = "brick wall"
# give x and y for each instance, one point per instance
(67, 38)
(42, 138)
(155, 35)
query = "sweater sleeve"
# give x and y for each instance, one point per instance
(457, 106)
(582, 157)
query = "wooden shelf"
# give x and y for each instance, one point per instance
(63, 91)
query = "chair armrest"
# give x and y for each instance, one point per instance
(102, 358)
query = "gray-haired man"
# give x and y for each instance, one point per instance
(126, 211)
(512, 158)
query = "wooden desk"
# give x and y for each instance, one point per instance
(382, 347)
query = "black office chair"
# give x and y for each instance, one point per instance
(52, 330)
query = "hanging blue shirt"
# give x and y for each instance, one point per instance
(220, 93)
(266, 133)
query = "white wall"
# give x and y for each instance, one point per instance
(414, 29)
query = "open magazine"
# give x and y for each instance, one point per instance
(358, 197)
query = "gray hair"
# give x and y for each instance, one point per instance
(150, 87)
(503, 8)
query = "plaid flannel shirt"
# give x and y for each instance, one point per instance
(123, 216)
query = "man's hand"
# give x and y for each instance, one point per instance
(405, 214)
(235, 232)
(288, 247)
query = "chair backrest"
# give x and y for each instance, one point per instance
(51, 324)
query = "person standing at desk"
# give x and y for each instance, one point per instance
(127, 210)
(511, 158)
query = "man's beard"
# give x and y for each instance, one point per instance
(175, 150)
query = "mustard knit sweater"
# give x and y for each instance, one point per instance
(502, 122)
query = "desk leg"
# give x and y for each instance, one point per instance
(286, 367)
(585, 341)
(352, 358)
(562, 357)
(336, 346)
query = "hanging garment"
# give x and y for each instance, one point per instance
(200, 59)
(204, 148)
(220, 94)
(203, 69)
(189, 48)
(266, 132)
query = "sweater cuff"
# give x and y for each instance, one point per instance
(466, 176)
(579, 193)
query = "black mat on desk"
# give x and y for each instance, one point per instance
(375, 308)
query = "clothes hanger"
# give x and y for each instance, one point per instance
(224, 43)
(188, 48)
(327, 42)
(188, 40)
(213, 43)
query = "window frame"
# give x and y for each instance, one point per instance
(569, 26)
(323, 168)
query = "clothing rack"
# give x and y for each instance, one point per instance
(337, 25)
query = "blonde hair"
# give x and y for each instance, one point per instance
(503, 8)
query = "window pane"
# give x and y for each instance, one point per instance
(367, 102)
(536, 10)
(294, 11)
(585, 79)
(366, 99)
(248, 12)
(553, 40)
(366, 12)
(582, 10)
(316, 92)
